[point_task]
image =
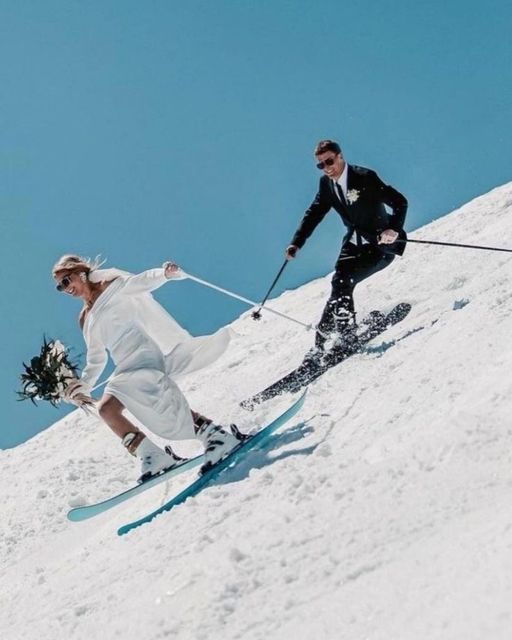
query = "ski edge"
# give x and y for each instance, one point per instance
(194, 488)
(84, 512)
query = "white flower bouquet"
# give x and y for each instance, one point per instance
(48, 374)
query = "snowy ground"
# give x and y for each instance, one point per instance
(381, 513)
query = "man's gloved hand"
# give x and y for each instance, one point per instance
(388, 236)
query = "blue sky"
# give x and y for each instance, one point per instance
(153, 130)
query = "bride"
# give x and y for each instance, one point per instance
(148, 347)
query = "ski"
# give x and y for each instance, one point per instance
(209, 476)
(77, 514)
(307, 372)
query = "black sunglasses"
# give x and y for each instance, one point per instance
(326, 163)
(64, 283)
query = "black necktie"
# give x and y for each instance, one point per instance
(339, 191)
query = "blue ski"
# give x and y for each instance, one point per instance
(193, 489)
(90, 510)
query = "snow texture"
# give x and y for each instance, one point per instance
(381, 513)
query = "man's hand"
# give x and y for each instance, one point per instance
(291, 252)
(388, 236)
(171, 269)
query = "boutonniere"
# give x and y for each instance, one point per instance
(352, 196)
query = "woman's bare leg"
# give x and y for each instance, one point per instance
(111, 411)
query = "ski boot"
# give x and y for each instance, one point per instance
(218, 443)
(154, 460)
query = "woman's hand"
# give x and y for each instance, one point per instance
(171, 269)
(77, 393)
(291, 252)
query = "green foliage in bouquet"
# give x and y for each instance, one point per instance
(48, 374)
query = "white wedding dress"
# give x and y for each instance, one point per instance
(148, 347)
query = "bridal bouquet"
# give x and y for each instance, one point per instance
(48, 374)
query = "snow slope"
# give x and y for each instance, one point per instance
(382, 513)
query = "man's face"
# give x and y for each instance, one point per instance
(332, 164)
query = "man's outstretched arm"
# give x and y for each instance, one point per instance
(312, 218)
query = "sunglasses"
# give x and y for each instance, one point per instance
(326, 163)
(64, 283)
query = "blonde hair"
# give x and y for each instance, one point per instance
(72, 263)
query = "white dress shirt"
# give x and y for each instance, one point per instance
(342, 181)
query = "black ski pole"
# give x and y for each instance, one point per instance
(455, 244)
(256, 315)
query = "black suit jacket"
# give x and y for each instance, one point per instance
(362, 213)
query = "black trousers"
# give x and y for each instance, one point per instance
(354, 265)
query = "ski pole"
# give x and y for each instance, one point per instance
(256, 315)
(237, 297)
(246, 300)
(455, 244)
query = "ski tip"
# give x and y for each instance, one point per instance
(400, 312)
(124, 529)
(248, 404)
(404, 306)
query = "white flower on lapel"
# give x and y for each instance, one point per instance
(352, 196)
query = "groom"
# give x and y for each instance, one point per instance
(372, 240)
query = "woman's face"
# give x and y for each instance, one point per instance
(71, 282)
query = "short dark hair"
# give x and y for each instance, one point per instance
(327, 145)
